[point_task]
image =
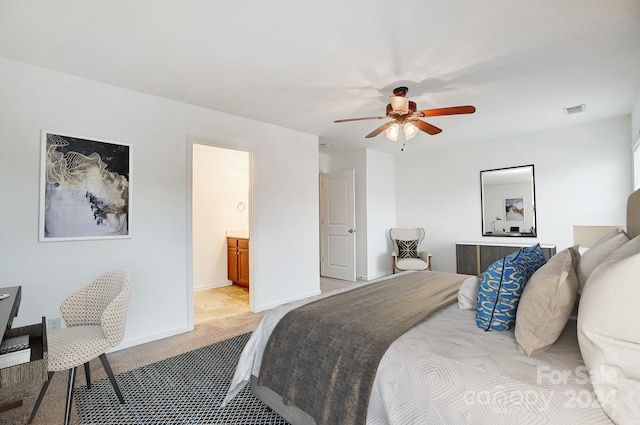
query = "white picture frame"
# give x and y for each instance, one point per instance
(85, 188)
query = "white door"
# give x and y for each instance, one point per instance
(338, 218)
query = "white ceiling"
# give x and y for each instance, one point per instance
(302, 64)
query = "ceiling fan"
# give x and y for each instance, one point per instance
(405, 117)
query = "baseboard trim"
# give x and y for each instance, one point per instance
(150, 338)
(205, 286)
(286, 301)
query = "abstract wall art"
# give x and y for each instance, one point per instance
(85, 188)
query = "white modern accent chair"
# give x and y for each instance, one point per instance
(406, 252)
(95, 317)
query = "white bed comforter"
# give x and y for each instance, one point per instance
(448, 371)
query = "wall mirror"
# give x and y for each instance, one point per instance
(508, 198)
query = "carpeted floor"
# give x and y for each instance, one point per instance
(185, 389)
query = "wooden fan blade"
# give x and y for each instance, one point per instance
(454, 110)
(426, 127)
(379, 130)
(360, 119)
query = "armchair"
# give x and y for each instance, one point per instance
(95, 317)
(406, 253)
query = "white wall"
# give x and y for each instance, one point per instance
(381, 212)
(582, 177)
(324, 163)
(220, 184)
(284, 199)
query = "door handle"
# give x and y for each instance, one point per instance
(352, 230)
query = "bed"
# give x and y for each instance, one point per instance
(446, 369)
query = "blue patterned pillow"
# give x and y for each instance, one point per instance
(501, 287)
(533, 258)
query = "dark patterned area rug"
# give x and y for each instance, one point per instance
(186, 389)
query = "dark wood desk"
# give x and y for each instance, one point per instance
(36, 368)
(9, 307)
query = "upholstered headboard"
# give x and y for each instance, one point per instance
(633, 214)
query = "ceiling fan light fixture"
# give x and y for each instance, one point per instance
(404, 117)
(392, 132)
(409, 130)
(399, 104)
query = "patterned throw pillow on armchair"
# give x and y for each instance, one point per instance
(407, 249)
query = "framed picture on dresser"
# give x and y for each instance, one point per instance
(85, 188)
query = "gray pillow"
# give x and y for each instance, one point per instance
(605, 246)
(547, 301)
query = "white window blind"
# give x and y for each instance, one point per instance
(636, 164)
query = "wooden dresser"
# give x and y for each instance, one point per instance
(238, 261)
(475, 257)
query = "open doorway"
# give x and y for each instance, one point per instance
(220, 214)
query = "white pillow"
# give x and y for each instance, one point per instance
(626, 250)
(547, 301)
(600, 250)
(609, 333)
(468, 293)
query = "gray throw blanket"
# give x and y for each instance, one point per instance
(322, 357)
